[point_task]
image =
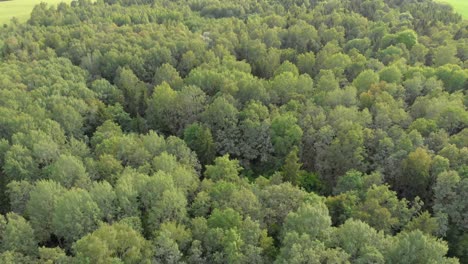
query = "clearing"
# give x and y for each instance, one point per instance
(460, 6)
(21, 9)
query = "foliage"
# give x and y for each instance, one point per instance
(204, 131)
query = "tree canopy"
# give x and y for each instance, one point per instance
(254, 131)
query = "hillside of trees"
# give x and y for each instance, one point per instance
(234, 131)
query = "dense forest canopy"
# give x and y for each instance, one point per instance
(235, 131)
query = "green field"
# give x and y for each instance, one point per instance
(460, 6)
(21, 9)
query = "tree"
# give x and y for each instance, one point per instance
(277, 202)
(417, 178)
(133, 89)
(68, 117)
(408, 37)
(202, 131)
(12, 257)
(41, 205)
(18, 193)
(285, 133)
(363, 243)
(167, 73)
(390, 74)
(224, 169)
(414, 247)
(453, 77)
(445, 55)
(170, 207)
(450, 191)
(53, 255)
(160, 109)
(357, 181)
(292, 168)
(110, 243)
(302, 37)
(222, 118)
(254, 126)
(287, 66)
(17, 235)
(107, 130)
(171, 111)
(342, 149)
(158, 199)
(19, 164)
(106, 199)
(69, 171)
(311, 219)
(223, 194)
(382, 209)
(107, 168)
(185, 178)
(425, 223)
(75, 215)
(231, 239)
(107, 92)
(306, 63)
(166, 250)
(298, 249)
(364, 80)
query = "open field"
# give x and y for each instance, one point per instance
(461, 6)
(21, 8)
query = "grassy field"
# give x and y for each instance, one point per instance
(461, 6)
(21, 9)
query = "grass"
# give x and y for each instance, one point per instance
(460, 6)
(21, 9)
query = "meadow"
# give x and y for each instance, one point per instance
(21, 9)
(460, 6)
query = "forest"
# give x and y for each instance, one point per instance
(234, 131)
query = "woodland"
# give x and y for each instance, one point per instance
(234, 131)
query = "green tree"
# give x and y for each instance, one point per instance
(18, 193)
(17, 235)
(285, 133)
(75, 215)
(363, 243)
(224, 169)
(161, 108)
(167, 73)
(390, 74)
(382, 209)
(221, 116)
(53, 255)
(69, 171)
(110, 243)
(414, 247)
(306, 63)
(134, 91)
(417, 178)
(296, 249)
(277, 202)
(41, 205)
(445, 55)
(407, 37)
(106, 199)
(200, 140)
(311, 219)
(364, 80)
(291, 170)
